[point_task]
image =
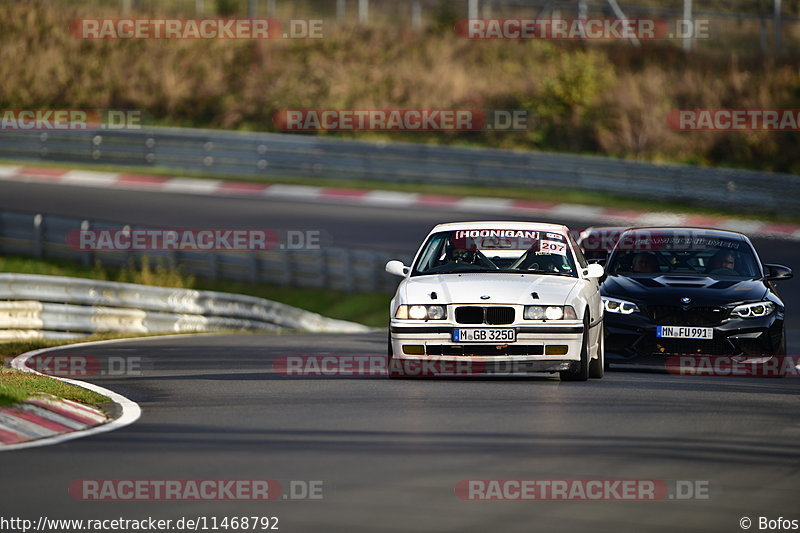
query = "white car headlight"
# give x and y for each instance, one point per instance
(549, 312)
(622, 307)
(754, 310)
(421, 312)
(436, 312)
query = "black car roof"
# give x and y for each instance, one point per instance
(692, 230)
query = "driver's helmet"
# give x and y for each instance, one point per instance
(456, 254)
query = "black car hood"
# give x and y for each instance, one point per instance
(669, 289)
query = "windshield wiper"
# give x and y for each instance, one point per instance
(548, 272)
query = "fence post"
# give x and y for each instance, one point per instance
(416, 15)
(340, 10)
(199, 7)
(687, 16)
(363, 11)
(252, 8)
(472, 9)
(271, 8)
(776, 23)
(38, 235)
(583, 10)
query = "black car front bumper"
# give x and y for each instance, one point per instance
(632, 338)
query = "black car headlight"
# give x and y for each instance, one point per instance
(621, 307)
(549, 312)
(421, 312)
(754, 310)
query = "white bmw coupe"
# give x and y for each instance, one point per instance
(501, 297)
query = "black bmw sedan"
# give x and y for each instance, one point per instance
(691, 291)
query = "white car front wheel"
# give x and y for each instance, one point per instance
(580, 372)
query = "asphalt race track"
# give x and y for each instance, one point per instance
(389, 453)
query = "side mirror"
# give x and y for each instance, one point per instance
(594, 271)
(776, 272)
(397, 268)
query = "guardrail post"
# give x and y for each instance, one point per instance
(38, 235)
(255, 271)
(287, 268)
(349, 275)
(86, 255)
(126, 230)
(324, 271)
(213, 265)
(374, 270)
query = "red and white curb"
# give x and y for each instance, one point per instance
(394, 199)
(44, 420)
(45, 416)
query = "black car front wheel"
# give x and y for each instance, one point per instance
(597, 366)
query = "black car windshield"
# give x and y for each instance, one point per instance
(653, 253)
(496, 251)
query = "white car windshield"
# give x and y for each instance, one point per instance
(497, 251)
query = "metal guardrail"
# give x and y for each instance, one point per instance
(336, 268)
(62, 307)
(274, 155)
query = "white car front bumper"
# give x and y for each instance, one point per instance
(545, 347)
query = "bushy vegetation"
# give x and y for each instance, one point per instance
(610, 99)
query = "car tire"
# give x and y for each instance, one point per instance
(391, 372)
(581, 373)
(597, 366)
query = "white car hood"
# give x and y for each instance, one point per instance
(501, 289)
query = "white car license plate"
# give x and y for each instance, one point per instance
(485, 335)
(684, 332)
